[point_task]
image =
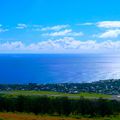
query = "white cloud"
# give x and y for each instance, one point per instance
(55, 28)
(65, 45)
(76, 34)
(18, 45)
(21, 26)
(86, 24)
(110, 34)
(109, 24)
(66, 32)
(59, 33)
(103, 24)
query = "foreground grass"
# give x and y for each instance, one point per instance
(24, 116)
(50, 93)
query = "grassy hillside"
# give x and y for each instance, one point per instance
(50, 93)
(24, 116)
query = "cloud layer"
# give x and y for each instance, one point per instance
(55, 28)
(63, 38)
(21, 26)
(65, 45)
(109, 24)
(110, 34)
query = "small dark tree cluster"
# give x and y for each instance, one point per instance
(59, 105)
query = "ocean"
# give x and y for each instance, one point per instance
(57, 68)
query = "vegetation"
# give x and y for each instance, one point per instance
(59, 105)
(25, 116)
(51, 93)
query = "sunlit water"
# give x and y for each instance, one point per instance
(26, 68)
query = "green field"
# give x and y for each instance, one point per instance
(55, 94)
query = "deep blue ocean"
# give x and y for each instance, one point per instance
(57, 68)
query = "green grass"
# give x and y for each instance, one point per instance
(56, 94)
(116, 117)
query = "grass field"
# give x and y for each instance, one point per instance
(56, 94)
(24, 116)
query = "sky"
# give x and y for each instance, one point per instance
(60, 26)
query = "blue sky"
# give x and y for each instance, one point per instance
(59, 26)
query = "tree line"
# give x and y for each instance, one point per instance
(59, 105)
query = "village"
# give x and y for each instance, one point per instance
(111, 87)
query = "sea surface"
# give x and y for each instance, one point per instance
(57, 68)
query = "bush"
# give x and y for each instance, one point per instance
(59, 105)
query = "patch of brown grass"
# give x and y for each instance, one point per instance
(23, 116)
